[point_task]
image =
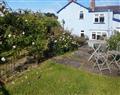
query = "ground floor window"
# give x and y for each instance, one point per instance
(93, 35)
(98, 35)
(82, 33)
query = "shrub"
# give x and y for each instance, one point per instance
(41, 35)
(62, 41)
(113, 41)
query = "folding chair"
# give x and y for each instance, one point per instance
(116, 56)
(95, 51)
(100, 58)
(117, 59)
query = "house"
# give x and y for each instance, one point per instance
(4, 7)
(94, 22)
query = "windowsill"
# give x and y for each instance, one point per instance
(99, 23)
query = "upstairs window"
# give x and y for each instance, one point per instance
(96, 18)
(102, 18)
(99, 18)
(81, 15)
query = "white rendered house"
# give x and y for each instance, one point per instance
(4, 7)
(94, 22)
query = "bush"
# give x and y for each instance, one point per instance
(113, 41)
(41, 35)
(62, 41)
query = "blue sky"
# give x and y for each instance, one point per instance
(52, 5)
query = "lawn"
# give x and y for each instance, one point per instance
(56, 79)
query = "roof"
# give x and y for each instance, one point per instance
(117, 20)
(70, 3)
(115, 9)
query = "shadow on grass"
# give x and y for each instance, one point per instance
(3, 89)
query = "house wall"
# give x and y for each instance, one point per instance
(100, 28)
(116, 25)
(71, 16)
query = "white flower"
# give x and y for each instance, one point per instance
(63, 38)
(26, 20)
(3, 59)
(13, 82)
(33, 43)
(9, 35)
(23, 33)
(26, 77)
(63, 33)
(55, 41)
(65, 45)
(14, 47)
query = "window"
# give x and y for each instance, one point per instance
(98, 37)
(93, 35)
(82, 33)
(81, 15)
(102, 19)
(99, 18)
(96, 18)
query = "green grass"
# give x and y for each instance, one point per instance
(55, 79)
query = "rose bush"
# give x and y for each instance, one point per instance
(41, 35)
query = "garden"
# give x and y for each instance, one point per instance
(36, 35)
(32, 46)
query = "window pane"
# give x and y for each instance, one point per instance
(81, 15)
(82, 30)
(98, 37)
(82, 35)
(101, 19)
(93, 36)
(96, 19)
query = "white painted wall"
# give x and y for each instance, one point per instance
(72, 22)
(106, 27)
(116, 25)
(71, 16)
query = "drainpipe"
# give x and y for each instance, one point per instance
(108, 22)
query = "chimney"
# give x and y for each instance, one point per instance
(92, 5)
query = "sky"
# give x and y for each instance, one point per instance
(52, 5)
